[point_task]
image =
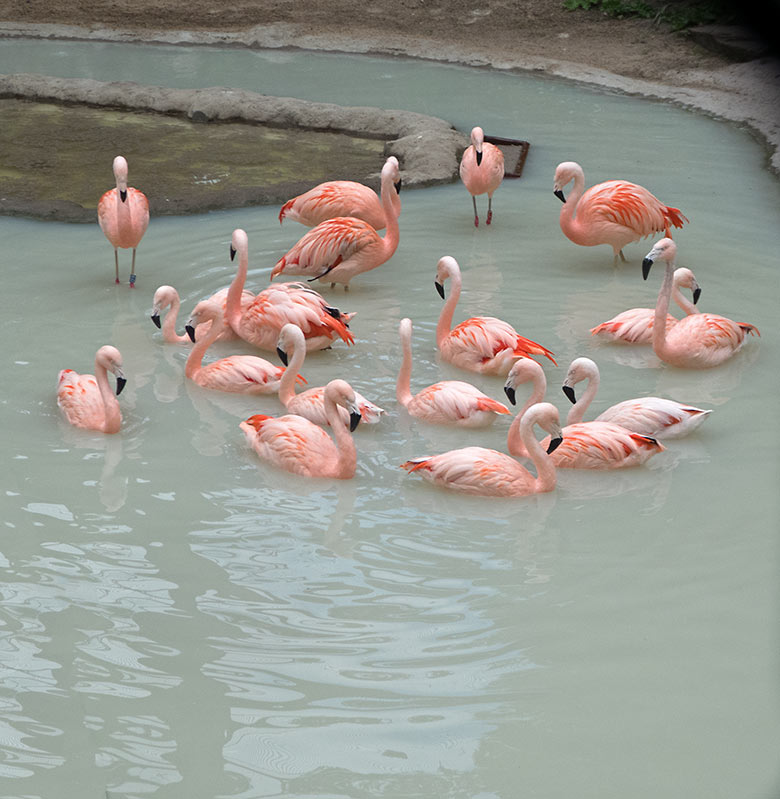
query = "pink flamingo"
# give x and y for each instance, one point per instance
(445, 402)
(123, 215)
(586, 445)
(311, 403)
(481, 170)
(338, 249)
(487, 472)
(482, 343)
(261, 320)
(615, 212)
(302, 447)
(650, 416)
(86, 400)
(240, 374)
(343, 198)
(635, 326)
(168, 297)
(698, 341)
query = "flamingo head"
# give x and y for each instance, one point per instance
(684, 278)
(340, 392)
(665, 250)
(110, 359)
(580, 369)
(120, 175)
(565, 173)
(523, 370)
(239, 243)
(477, 140)
(163, 298)
(446, 267)
(393, 171)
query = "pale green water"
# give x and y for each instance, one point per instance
(181, 621)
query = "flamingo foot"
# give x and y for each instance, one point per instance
(132, 281)
(489, 218)
(117, 281)
(476, 221)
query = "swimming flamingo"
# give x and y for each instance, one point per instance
(123, 215)
(635, 326)
(338, 249)
(615, 212)
(86, 400)
(651, 416)
(342, 198)
(446, 402)
(586, 445)
(311, 403)
(302, 447)
(481, 170)
(240, 374)
(168, 297)
(698, 341)
(261, 320)
(482, 343)
(487, 472)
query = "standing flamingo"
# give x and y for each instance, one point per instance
(635, 326)
(86, 400)
(615, 212)
(261, 320)
(446, 402)
(311, 403)
(698, 341)
(343, 198)
(338, 249)
(123, 215)
(487, 472)
(240, 374)
(168, 297)
(651, 416)
(482, 343)
(302, 447)
(481, 170)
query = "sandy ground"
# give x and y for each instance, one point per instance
(632, 55)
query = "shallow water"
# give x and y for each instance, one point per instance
(180, 620)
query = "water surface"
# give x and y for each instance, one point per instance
(180, 620)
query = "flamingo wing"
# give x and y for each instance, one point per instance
(709, 336)
(243, 374)
(487, 337)
(454, 400)
(333, 199)
(326, 246)
(655, 416)
(634, 326)
(601, 445)
(78, 396)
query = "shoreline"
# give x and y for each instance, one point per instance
(745, 92)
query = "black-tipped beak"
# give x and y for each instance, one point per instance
(696, 295)
(646, 264)
(156, 319)
(479, 157)
(569, 392)
(190, 332)
(510, 394)
(334, 312)
(397, 186)
(232, 252)
(439, 288)
(282, 355)
(560, 195)
(554, 444)
(123, 194)
(354, 420)
(120, 384)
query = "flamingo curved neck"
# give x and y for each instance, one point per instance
(347, 454)
(287, 383)
(570, 225)
(195, 358)
(392, 233)
(169, 322)
(514, 438)
(233, 302)
(661, 310)
(683, 303)
(577, 411)
(112, 416)
(403, 389)
(545, 468)
(444, 325)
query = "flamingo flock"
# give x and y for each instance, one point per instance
(314, 438)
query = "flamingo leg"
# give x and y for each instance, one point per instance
(132, 271)
(116, 263)
(490, 211)
(622, 257)
(476, 216)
